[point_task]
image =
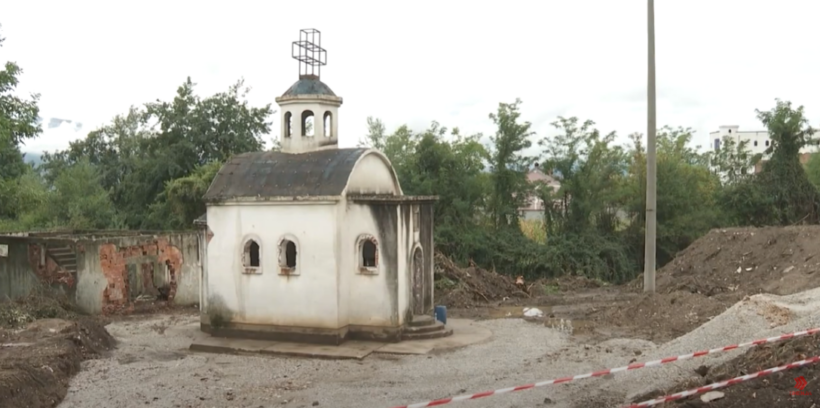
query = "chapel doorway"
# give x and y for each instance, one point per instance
(418, 282)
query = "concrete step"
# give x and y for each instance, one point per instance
(437, 326)
(426, 336)
(422, 320)
(65, 257)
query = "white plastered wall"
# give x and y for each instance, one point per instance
(297, 143)
(367, 298)
(305, 299)
(373, 175)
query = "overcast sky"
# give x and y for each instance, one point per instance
(414, 62)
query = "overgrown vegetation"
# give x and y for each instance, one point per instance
(151, 165)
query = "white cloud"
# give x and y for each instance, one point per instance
(414, 62)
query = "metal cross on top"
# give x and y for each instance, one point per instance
(309, 52)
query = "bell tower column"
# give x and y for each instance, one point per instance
(309, 109)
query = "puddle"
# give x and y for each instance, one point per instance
(570, 326)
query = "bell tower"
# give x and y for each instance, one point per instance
(309, 110)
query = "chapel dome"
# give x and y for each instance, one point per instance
(309, 85)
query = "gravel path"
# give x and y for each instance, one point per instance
(152, 367)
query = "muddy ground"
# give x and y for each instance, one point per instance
(37, 362)
(714, 273)
(775, 390)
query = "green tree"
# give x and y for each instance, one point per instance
(687, 193)
(19, 121)
(18, 117)
(733, 162)
(181, 201)
(582, 217)
(509, 165)
(788, 194)
(376, 134)
(591, 170)
(75, 200)
(813, 169)
(143, 150)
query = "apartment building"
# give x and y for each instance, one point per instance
(758, 140)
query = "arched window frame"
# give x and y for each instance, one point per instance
(284, 268)
(327, 124)
(245, 255)
(288, 125)
(308, 114)
(360, 262)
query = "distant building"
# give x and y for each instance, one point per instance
(534, 207)
(758, 140)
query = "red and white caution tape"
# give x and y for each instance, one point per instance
(722, 384)
(602, 373)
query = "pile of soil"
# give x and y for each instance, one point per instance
(734, 262)
(22, 311)
(472, 286)
(662, 317)
(715, 272)
(38, 358)
(774, 390)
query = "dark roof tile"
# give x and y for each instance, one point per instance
(276, 174)
(309, 85)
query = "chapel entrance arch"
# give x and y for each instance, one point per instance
(418, 281)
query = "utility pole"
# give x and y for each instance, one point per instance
(651, 165)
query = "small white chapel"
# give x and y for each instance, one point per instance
(316, 243)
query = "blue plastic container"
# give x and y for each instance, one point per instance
(441, 314)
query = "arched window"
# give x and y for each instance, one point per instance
(288, 256)
(307, 123)
(368, 254)
(251, 256)
(328, 123)
(288, 124)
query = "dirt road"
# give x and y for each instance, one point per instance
(611, 326)
(152, 368)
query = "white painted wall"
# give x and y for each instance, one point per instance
(309, 299)
(298, 143)
(759, 141)
(368, 298)
(373, 174)
(329, 291)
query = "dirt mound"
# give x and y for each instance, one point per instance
(37, 362)
(472, 286)
(775, 390)
(718, 270)
(22, 311)
(735, 262)
(664, 316)
(40, 349)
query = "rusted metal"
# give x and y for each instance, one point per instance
(275, 174)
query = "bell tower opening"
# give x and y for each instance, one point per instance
(309, 107)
